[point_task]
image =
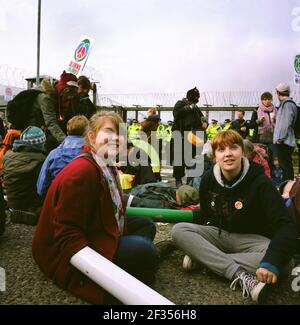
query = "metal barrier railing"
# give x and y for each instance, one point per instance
(123, 111)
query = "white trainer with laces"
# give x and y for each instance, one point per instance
(249, 285)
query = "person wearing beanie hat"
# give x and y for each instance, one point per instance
(21, 168)
(33, 136)
(284, 135)
(187, 117)
(283, 88)
(66, 80)
(193, 95)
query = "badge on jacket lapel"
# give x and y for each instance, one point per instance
(238, 205)
(212, 203)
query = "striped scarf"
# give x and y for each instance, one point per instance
(113, 184)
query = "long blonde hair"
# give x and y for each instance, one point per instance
(97, 121)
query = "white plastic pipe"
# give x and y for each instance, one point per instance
(116, 281)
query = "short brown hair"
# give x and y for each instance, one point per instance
(226, 138)
(77, 125)
(97, 121)
(151, 111)
(84, 82)
(266, 95)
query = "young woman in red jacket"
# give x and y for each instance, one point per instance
(84, 206)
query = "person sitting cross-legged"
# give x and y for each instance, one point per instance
(21, 168)
(246, 233)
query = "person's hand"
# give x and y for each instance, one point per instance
(194, 206)
(266, 276)
(243, 129)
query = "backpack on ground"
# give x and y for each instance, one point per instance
(19, 109)
(296, 125)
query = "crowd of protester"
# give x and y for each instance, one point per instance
(69, 171)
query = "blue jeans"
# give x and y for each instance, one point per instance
(285, 160)
(136, 253)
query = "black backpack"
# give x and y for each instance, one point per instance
(18, 109)
(296, 125)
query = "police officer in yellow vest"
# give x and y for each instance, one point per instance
(160, 131)
(133, 130)
(227, 124)
(213, 129)
(168, 132)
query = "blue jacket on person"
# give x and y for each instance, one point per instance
(57, 159)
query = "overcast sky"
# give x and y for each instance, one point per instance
(145, 46)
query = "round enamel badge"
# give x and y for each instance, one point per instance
(238, 205)
(212, 203)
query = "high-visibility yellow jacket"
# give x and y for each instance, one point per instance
(132, 131)
(160, 131)
(226, 126)
(168, 133)
(212, 130)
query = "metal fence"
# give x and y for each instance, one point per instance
(137, 111)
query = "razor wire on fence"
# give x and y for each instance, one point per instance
(213, 98)
(14, 77)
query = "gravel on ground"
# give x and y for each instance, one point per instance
(25, 284)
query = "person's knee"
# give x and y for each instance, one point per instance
(179, 229)
(148, 228)
(145, 251)
(138, 257)
(151, 228)
(141, 226)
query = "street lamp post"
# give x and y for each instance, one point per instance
(38, 43)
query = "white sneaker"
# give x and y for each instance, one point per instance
(188, 264)
(296, 271)
(250, 286)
